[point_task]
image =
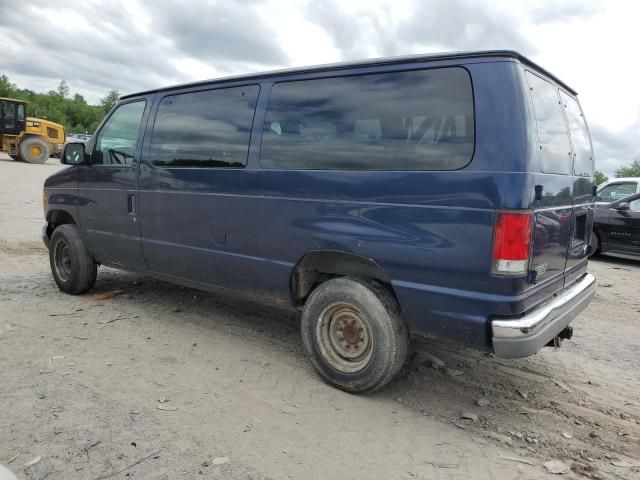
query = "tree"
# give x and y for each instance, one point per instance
(632, 170)
(6, 87)
(600, 177)
(109, 100)
(63, 89)
(58, 105)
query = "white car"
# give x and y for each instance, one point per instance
(617, 188)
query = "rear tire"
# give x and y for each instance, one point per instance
(354, 334)
(34, 150)
(73, 268)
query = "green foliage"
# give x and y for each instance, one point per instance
(58, 105)
(109, 100)
(600, 177)
(632, 170)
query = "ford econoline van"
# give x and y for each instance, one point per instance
(450, 195)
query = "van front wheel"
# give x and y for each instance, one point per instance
(73, 268)
(354, 334)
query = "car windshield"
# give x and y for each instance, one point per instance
(616, 191)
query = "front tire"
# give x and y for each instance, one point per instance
(34, 150)
(73, 268)
(595, 244)
(354, 334)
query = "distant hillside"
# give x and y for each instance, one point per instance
(60, 106)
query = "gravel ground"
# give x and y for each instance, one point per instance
(165, 382)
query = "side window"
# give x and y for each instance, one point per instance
(21, 115)
(635, 205)
(553, 137)
(204, 129)
(616, 191)
(116, 141)
(416, 120)
(582, 152)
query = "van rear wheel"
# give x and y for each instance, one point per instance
(73, 268)
(354, 334)
(34, 150)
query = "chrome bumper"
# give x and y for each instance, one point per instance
(524, 336)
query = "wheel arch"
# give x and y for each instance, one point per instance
(58, 217)
(318, 266)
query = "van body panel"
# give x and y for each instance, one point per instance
(245, 229)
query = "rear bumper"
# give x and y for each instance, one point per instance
(524, 336)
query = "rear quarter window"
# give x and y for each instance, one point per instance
(415, 120)
(553, 136)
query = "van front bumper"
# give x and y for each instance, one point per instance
(524, 336)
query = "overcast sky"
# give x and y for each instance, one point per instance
(130, 45)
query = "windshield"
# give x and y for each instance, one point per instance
(616, 191)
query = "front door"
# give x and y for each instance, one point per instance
(623, 227)
(12, 117)
(108, 187)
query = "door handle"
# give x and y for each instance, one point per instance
(131, 203)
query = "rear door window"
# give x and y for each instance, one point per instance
(582, 152)
(417, 120)
(553, 136)
(207, 129)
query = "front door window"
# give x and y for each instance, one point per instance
(117, 140)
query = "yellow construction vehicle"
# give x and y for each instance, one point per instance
(24, 138)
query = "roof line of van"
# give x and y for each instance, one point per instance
(367, 63)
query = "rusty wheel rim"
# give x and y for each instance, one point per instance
(344, 336)
(62, 260)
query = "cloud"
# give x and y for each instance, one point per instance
(613, 150)
(111, 45)
(451, 25)
(564, 11)
(233, 31)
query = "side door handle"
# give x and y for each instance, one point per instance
(131, 203)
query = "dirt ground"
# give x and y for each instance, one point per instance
(165, 382)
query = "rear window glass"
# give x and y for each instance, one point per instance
(418, 120)
(553, 137)
(204, 129)
(582, 153)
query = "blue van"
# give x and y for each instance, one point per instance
(450, 195)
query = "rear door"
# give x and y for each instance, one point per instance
(564, 202)
(554, 207)
(582, 191)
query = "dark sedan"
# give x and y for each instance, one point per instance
(617, 227)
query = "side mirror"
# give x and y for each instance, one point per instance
(73, 154)
(623, 207)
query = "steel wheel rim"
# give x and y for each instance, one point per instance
(62, 260)
(35, 150)
(344, 337)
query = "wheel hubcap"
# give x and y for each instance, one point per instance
(344, 336)
(62, 260)
(35, 150)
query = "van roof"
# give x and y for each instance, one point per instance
(367, 63)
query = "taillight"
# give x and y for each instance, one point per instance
(511, 238)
